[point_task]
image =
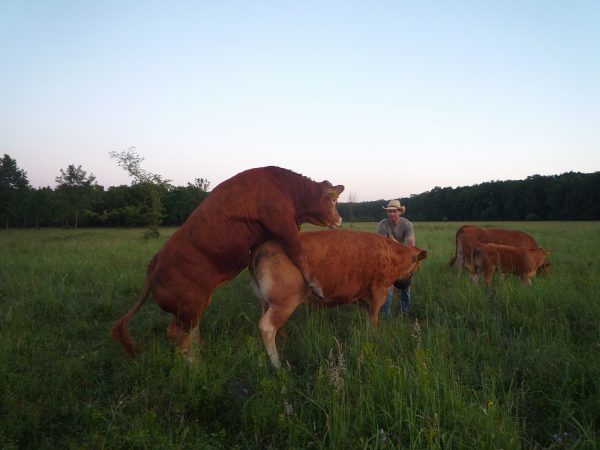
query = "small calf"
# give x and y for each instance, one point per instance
(524, 262)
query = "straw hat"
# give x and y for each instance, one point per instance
(394, 205)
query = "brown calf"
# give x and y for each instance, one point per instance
(215, 243)
(469, 236)
(524, 262)
(351, 265)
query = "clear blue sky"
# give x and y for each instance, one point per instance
(389, 98)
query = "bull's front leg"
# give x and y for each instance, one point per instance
(286, 231)
(293, 248)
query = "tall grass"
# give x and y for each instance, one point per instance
(507, 367)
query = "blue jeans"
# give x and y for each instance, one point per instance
(386, 309)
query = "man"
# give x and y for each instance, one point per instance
(400, 229)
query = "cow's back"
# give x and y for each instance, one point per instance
(515, 238)
(349, 263)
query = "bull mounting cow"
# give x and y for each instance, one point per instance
(217, 240)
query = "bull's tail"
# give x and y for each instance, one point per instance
(119, 330)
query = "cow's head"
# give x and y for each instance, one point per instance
(416, 256)
(545, 266)
(322, 210)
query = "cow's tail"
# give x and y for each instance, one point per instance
(474, 254)
(254, 269)
(119, 330)
(453, 259)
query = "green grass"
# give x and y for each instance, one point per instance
(509, 367)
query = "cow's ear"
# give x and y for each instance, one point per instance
(338, 189)
(335, 191)
(422, 255)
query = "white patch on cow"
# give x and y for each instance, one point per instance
(265, 285)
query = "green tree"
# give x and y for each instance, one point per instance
(156, 185)
(181, 201)
(14, 188)
(75, 189)
(42, 207)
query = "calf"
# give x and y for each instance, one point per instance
(469, 236)
(524, 262)
(351, 266)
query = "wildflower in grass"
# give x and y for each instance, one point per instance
(559, 439)
(417, 333)
(490, 404)
(383, 435)
(336, 367)
(288, 408)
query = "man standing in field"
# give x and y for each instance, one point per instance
(400, 229)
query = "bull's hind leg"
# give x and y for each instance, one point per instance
(179, 334)
(184, 330)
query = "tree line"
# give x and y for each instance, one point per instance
(78, 201)
(569, 196)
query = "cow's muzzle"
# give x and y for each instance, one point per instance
(403, 284)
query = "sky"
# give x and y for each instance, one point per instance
(388, 98)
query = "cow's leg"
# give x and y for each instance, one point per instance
(179, 333)
(184, 330)
(268, 333)
(460, 259)
(526, 278)
(187, 302)
(475, 276)
(272, 322)
(489, 275)
(378, 298)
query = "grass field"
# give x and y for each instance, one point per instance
(512, 367)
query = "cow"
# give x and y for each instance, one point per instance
(468, 236)
(524, 262)
(217, 240)
(351, 265)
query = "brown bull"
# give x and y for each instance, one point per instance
(215, 243)
(469, 236)
(351, 265)
(524, 262)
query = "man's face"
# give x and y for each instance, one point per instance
(393, 216)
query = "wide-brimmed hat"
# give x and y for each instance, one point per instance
(394, 205)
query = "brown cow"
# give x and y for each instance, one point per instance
(524, 262)
(468, 236)
(351, 265)
(215, 243)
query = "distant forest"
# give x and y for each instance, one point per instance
(78, 201)
(570, 196)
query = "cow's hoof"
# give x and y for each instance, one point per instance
(317, 291)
